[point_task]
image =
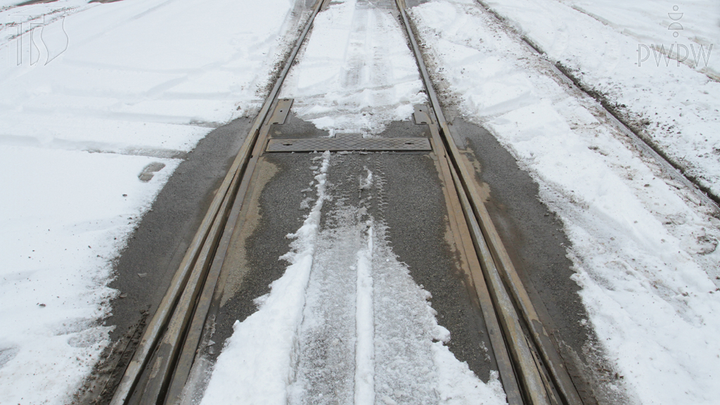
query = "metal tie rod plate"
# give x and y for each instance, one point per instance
(342, 144)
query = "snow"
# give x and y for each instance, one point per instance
(356, 74)
(644, 250)
(301, 346)
(57, 248)
(99, 98)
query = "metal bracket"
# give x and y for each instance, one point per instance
(282, 109)
(422, 115)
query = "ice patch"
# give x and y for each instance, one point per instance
(367, 181)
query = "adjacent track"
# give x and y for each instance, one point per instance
(530, 368)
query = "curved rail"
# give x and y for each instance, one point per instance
(511, 300)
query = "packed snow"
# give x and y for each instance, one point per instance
(356, 74)
(100, 103)
(644, 250)
(346, 323)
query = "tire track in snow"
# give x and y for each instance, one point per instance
(326, 342)
(365, 350)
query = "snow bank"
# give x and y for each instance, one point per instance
(257, 360)
(645, 254)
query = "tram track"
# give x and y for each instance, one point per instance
(530, 368)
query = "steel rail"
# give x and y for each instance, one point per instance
(168, 323)
(461, 227)
(177, 285)
(191, 342)
(528, 373)
(180, 319)
(500, 273)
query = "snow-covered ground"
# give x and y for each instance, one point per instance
(645, 252)
(358, 74)
(657, 61)
(99, 103)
